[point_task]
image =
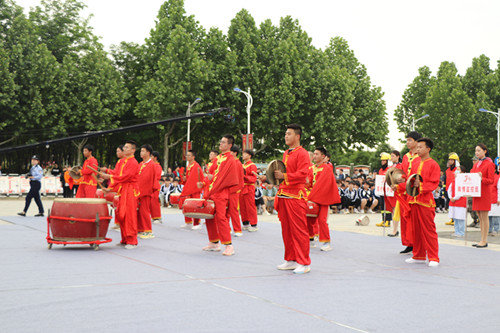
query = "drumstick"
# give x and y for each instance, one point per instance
(95, 177)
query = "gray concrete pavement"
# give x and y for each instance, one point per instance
(168, 284)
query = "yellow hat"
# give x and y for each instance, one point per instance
(453, 156)
(385, 156)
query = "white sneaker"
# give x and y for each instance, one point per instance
(433, 263)
(238, 234)
(287, 265)
(414, 261)
(145, 235)
(302, 269)
(356, 211)
(196, 227)
(229, 251)
(212, 247)
(326, 247)
(130, 246)
(312, 244)
(186, 226)
(253, 229)
(157, 221)
(266, 212)
(346, 211)
(370, 211)
(245, 227)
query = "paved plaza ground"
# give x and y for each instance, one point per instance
(168, 284)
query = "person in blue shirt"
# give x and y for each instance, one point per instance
(35, 176)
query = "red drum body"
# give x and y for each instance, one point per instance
(75, 219)
(312, 209)
(174, 198)
(199, 208)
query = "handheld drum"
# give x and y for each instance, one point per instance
(273, 166)
(312, 209)
(411, 189)
(198, 208)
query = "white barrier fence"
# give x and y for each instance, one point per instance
(19, 185)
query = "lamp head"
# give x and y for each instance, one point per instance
(237, 89)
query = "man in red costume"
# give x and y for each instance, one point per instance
(194, 174)
(248, 209)
(88, 186)
(124, 182)
(147, 184)
(120, 156)
(234, 195)
(222, 176)
(291, 203)
(425, 242)
(410, 162)
(324, 193)
(155, 197)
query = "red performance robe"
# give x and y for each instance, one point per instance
(224, 177)
(487, 169)
(234, 198)
(114, 172)
(146, 181)
(88, 185)
(194, 174)
(248, 209)
(425, 241)
(124, 182)
(291, 204)
(324, 193)
(410, 161)
(155, 197)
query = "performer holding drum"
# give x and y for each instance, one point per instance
(324, 192)
(194, 174)
(223, 176)
(290, 203)
(423, 180)
(234, 195)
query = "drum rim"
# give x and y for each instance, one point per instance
(81, 200)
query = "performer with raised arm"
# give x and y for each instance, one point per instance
(147, 184)
(124, 182)
(222, 176)
(88, 186)
(194, 174)
(425, 242)
(324, 192)
(291, 203)
(155, 197)
(234, 195)
(248, 209)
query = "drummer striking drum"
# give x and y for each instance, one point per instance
(88, 186)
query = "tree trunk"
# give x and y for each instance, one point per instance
(166, 146)
(79, 145)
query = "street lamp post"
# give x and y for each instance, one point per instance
(498, 127)
(415, 120)
(188, 113)
(249, 105)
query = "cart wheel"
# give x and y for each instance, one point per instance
(96, 247)
(49, 246)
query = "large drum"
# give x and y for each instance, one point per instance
(312, 209)
(75, 219)
(109, 196)
(174, 198)
(199, 208)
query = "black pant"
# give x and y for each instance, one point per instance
(34, 192)
(67, 192)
